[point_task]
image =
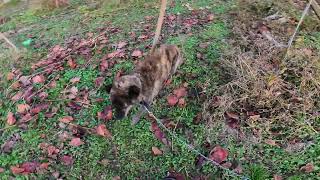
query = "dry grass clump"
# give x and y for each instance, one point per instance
(268, 94)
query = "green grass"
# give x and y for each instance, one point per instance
(128, 154)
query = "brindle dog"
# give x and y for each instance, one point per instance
(143, 85)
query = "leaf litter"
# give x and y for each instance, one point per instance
(60, 55)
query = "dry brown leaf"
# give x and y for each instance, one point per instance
(180, 92)
(22, 108)
(172, 100)
(156, 151)
(271, 142)
(103, 131)
(11, 120)
(38, 79)
(136, 53)
(66, 119)
(308, 168)
(76, 142)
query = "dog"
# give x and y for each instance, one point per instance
(145, 82)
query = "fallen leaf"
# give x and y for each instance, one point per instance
(66, 119)
(16, 85)
(136, 53)
(104, 65)
(271, 142)
(44, 165)
(73, 90)
(99, 81)
(22, 108)
(197, 119)
(121, 44)
(171, 17)
(143, 37)
(180, 92)
(72, 63)
(307, 51)
(227, 165)
(38, 108)
(103, 131)
(67, 160)
(263, 28)
(1, 170)
(10, 76)
(25, 80)
(38, 79)
(210, 17)
(8, 145)
(106, 114)
(116, 54)
(156, 151)
(172, 100)
(17, 96)
(52, 84)
(159, 134)
(308, 168)
(43, 95)
(277, 177)
(76, 142)
(75, 80)
(232, 120)
(218, 154)
(26, 118)
(52, 150)
(204, 45)
(148, 18)
(116, 178)
(16, 170)
(74, 106)
(182, 103)
(28, 94)
(56, 175)
(238, 170)
(232, 115)
(11, 120)
(30, 167)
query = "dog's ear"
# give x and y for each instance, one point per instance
(108, 88)
(133, 91)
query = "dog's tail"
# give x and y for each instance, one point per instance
(159, 25)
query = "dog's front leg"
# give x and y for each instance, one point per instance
(136, 118)
(142, 109)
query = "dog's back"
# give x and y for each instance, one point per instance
(156, 68)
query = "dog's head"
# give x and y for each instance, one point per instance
(124, 93)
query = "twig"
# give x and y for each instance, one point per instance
(8, 127)
(2, 36)
(268, 35)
